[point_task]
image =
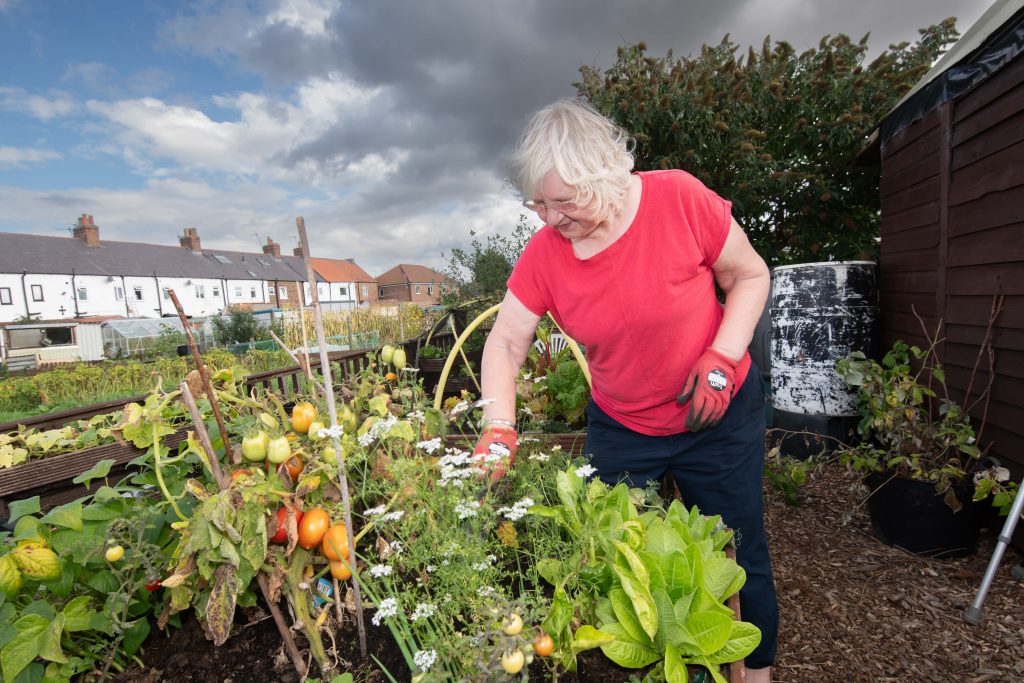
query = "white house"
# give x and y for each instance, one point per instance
(61, 278)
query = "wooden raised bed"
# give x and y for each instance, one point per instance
(52, 478)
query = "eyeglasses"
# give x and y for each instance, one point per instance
(542, 208)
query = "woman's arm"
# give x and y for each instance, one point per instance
(504, 354)
(743, 276)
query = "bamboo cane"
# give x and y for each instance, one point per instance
(200, 368)
(325, 368)
(211, 455)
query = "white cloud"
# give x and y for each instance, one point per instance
(307, 15)
(45, 107)
(18, 157)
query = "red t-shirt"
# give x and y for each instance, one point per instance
(645, 307)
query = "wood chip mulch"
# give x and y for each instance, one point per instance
(854, 609)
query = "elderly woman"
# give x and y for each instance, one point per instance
(627, 263)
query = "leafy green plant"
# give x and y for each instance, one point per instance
(658, 580)
(908, 427)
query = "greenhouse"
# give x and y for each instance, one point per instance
(141, 336)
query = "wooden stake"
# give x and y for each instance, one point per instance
(201, 369)
(222, 483)
(325, 369)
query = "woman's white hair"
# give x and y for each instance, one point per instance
(587, 150)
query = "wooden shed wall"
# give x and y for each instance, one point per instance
(952, 192)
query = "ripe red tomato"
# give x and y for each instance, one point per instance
(153, 584)
(313, 526)
(281, 535)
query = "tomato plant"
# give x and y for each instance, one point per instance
(543, 645)
(254, 446)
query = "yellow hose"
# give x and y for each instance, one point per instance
(453, 354)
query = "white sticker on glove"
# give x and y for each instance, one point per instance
(717, 380)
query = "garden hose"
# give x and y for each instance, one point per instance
(457, 347)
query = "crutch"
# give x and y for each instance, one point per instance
(972, 615)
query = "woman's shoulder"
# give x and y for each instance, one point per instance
(670, 177)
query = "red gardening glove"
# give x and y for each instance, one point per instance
(498, 440)
(711, 385)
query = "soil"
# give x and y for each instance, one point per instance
(851, 609)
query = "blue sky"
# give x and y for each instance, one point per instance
(385, 124)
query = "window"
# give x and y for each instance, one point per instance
(342, 291)
(261, 261)
(138, 293)
(365, 290)
(380, 292)
(282, 292)
(221, 258)
(167, 294)
(35, 337)
(216, 290)
(238, 292)
(417, 289)
(83, 294)
(5, 296)
(37, 292)
(119, 293)
(273, 290)
(252, 292)
(200, 291)
(430, 289)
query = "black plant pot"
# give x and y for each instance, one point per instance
(908, 514)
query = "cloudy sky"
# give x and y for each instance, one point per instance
(385, 123)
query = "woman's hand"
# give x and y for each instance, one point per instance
(497, 445)
(710, 387)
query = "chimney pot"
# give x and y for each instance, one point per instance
(272, 248)
(190, 240)
(87, 231)
(297, 251)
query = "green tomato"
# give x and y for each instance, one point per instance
(114, 553)
(399, 358)
(329, 455)
(279, 450)
(314, 430)
(254, 447)
(387, 353)
(349, 422)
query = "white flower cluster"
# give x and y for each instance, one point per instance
(455, 468)
(467, 508)
(528, 439)
(334, 432)
(485, 564)
(379, 571)
(585, 471)
(410, 369)
(460, 407)
(424, 659)
(379, 429)
(378, 511)
(424, 610)
(539, 457)
(431, 446)
(385, 610)
(396, 547)
(415, 415)
(518, 509)
(487, 592)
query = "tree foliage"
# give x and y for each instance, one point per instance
(239, 326)
(775, 132)
(479, 272)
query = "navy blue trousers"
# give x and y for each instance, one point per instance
(718, 469)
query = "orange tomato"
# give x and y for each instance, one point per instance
(390, 377)
(313, 526)
(543, 645)
(303, 414)
(335, 543)
(237, 474)
(340, 570)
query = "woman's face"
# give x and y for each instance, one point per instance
(572, 223)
